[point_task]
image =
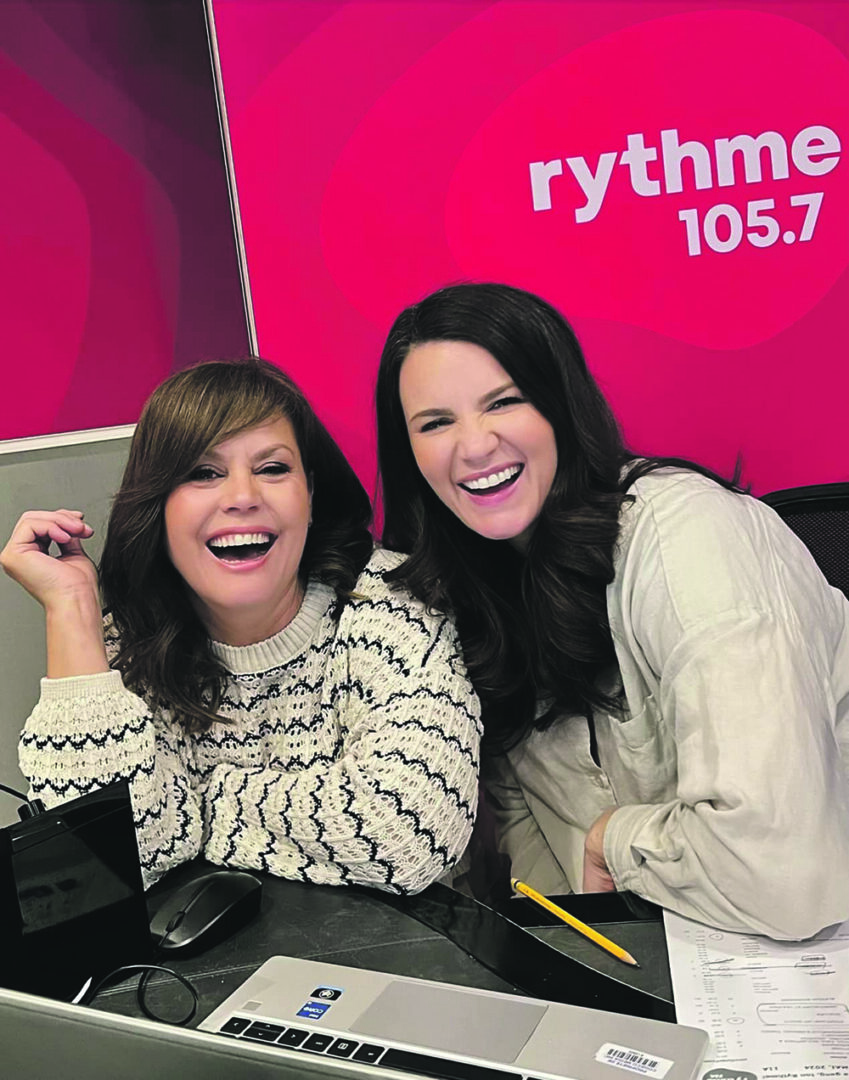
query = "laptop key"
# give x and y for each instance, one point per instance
(234, 1026)
(263, 1032)
(318, 1042)
(342, 1048)
(443, 1068)
(293, 1037)
(368, 1053)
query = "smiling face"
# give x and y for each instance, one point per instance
(486, 451)
(236, 529)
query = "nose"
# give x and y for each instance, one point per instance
(240, 491)
(476, 440)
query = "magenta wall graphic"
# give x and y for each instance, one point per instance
(673, 175)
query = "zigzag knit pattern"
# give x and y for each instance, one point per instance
(350, 755)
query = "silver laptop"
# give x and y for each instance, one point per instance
(302, 1019)
(433, 1029)
(42, 1039)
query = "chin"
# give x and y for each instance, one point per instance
(499, 531)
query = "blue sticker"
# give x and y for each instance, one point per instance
(314, 1010)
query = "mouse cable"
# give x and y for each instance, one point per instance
(13, 791)
(88, 992)
(145, 970)
(31, 807)
(141, 989)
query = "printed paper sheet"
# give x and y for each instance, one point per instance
(774, 1010)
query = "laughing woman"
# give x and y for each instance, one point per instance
(664, 672)
(274, 703)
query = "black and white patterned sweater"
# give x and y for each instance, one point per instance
(351, 755)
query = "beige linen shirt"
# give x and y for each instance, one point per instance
(729, 763)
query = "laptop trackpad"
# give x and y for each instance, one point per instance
(454, 1020)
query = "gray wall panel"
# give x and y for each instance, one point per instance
(83, 477)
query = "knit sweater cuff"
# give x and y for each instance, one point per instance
(77, 686)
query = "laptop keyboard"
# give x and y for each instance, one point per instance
(341, 1046)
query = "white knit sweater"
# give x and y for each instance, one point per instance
(351, 755)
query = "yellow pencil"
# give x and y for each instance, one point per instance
(576, 924)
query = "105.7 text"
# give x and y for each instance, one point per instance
(723, 230)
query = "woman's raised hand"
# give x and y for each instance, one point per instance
(51, 579)
(64, 584)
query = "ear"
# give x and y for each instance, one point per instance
(310, 488)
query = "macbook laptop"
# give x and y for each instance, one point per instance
(303, 1019)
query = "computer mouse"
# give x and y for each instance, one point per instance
(205, 911)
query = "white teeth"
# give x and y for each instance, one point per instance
(238, 539)
(484, 482)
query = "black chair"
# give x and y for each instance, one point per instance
(819, 515)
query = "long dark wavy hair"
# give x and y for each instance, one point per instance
(165, 650)
(534, 626)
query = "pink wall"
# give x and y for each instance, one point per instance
(384, 149)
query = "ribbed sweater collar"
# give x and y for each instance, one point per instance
(286, 644)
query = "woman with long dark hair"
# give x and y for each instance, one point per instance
(663, 670)
(274, 703)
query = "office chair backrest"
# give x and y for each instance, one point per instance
(819, 515)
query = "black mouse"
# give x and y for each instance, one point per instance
(205, 911)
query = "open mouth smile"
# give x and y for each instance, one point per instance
(494, 482)
(241, 547)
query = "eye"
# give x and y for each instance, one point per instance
(432, 425)
(274, 468)
(502, 403)
(203, 472)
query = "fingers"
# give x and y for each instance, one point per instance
(72, 546)
(42, 526)
(26, 557)
(37, 529)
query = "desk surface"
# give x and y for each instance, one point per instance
(356, 928)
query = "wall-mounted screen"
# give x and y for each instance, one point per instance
(672, 175)
(118, 255)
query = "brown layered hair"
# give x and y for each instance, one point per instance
(164, 649)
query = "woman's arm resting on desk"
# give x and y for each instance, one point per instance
(750, 645)
(758, 839)
(391, 803)
(395, 806)
(86, 732)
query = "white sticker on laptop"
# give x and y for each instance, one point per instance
(635, 1061)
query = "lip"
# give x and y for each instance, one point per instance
(243, 565)
(497, 499)
(468, 479)
(493, 498)
(235, 530)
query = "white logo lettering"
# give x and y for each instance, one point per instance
(815, 151)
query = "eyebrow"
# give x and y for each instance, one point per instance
(485, 400)
(266, 451)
